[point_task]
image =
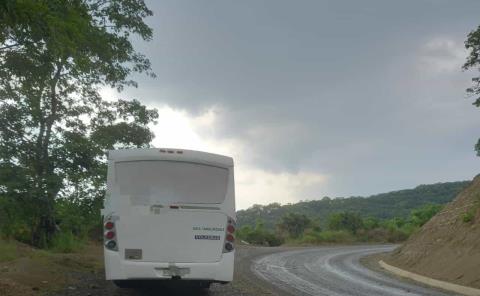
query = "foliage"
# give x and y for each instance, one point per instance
(55, 127)
(327, 236)
(371, 223)
(473, 62)
(347, 221)
(294, 224)
(422, 215)
(381, 206)
(66, 242)
(468, 216)
(342, 227)
(259, 235)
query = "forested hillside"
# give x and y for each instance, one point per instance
(383, 206)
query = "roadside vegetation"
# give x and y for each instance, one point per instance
(55, 58)
(383, 206)
(341, 227)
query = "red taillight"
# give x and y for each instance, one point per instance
(229, 237)
(109, 234)
(109, 225)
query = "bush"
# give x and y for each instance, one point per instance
(259, 236)
(468, 216)
(328, 236)
(347, 221)
(294, 224)
(422, 215)
(66, 242)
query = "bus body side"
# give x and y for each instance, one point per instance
(169, 214)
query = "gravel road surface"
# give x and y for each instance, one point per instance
(328, 271)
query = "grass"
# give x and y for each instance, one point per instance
(24, 268)
(66, 242)
(8, 250)
(328, 236)
(469, 216)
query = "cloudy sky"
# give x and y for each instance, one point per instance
(316, 98)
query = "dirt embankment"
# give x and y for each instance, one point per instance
(448, 246)
(32, 272)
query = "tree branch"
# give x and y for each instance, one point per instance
(9, 46)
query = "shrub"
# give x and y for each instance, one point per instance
(468, 216)
(348, 221)
(294, 224)
(328, 236)
(423, 214)
(259, 235)
(66, 242)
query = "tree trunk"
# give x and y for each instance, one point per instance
(45, 229)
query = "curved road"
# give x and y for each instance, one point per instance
(279, 271)
(332, 271)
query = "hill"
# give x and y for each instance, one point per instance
(448, 246)
(383, 206)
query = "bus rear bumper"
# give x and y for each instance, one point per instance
(116, 268)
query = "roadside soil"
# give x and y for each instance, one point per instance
(448, 246)
(244, 283)
(40, 273)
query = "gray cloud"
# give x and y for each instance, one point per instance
(368, 92)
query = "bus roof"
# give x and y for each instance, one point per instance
(172, 154)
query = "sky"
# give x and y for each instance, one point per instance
(315, 98)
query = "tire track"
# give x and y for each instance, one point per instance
(333, 271)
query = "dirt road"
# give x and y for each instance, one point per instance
(331, 270)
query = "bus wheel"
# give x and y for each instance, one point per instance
(204, 285)
(124, 284)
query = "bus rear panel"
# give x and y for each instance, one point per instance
(169, 214)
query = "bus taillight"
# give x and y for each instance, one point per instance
(109, 225)
(109, 235)
(229, 236)
(110, 240)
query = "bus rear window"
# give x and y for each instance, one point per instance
(165, 182)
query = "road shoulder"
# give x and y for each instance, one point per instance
(429, 281)
(372, 262)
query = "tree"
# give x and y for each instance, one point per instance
(294, 224)
(473, 61)
(348, 221)
(54, 125)
(422, 215)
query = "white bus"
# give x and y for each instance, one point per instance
(169, 214)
